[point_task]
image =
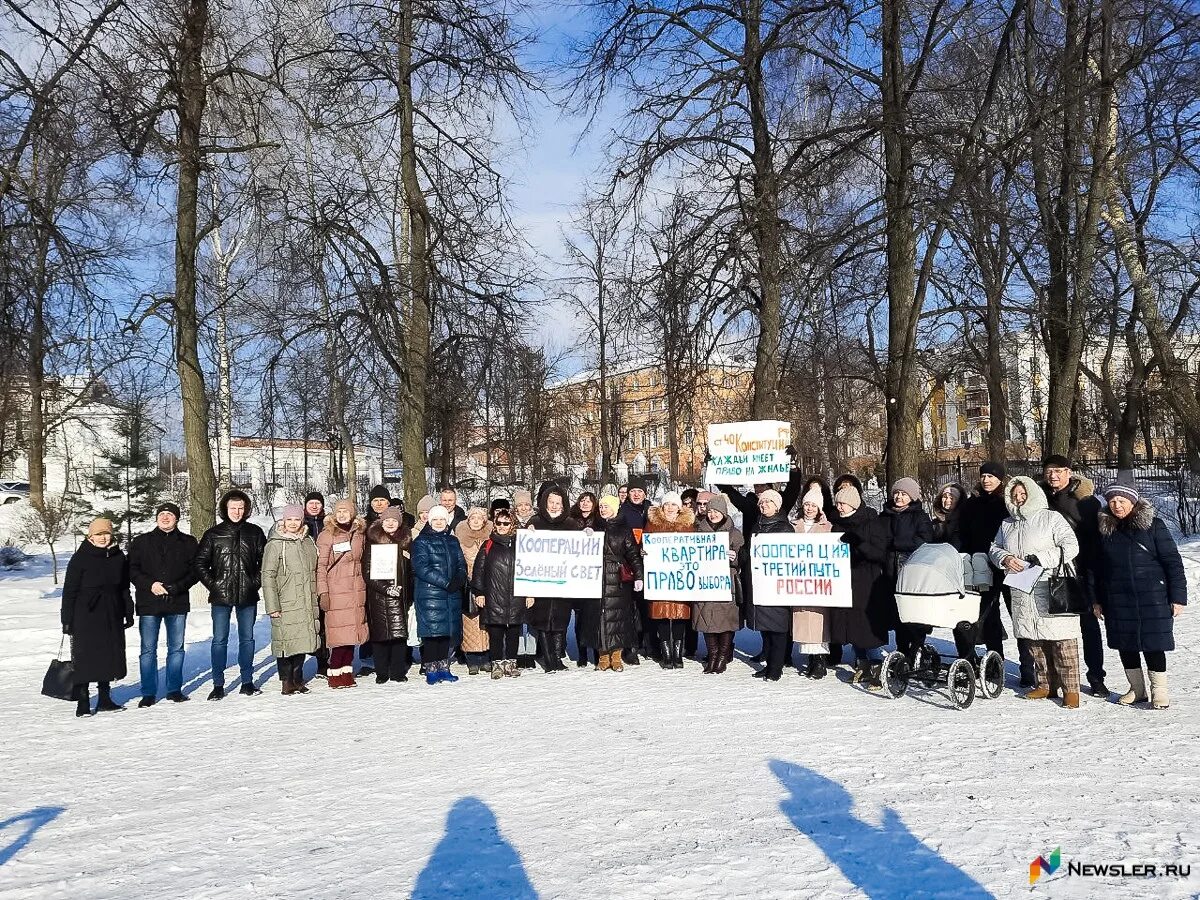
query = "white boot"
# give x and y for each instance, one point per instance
(1158, 690)
(1137, 688)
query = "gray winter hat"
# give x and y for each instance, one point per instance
(909, 486)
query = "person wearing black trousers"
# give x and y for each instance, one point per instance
(314, 521)
(551, 615)
(774, 623)
(501, 613)
(632, 514)
(96, 609)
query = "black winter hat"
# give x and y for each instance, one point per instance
(499, 503)
(995, 469)
(169, 507)
(1056, 461)
(315, 495)
(380, 492)
(637, 483)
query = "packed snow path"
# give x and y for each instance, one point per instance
(580, 784)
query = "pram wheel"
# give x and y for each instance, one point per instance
(991, 675)
(960, 679)
(894, 674)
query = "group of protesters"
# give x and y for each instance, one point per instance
(389, 584)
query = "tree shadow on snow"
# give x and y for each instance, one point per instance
(473, 859)
(883, 861)
(27, 824)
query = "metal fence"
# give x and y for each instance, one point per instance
(1156, 477)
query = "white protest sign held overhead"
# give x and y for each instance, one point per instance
(687, 568)
(559, 564)
(748, 453)
(800, 570)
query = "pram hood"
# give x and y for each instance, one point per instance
(933, 570)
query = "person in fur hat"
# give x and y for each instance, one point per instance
(1074, 498)
(670, 618)
(472, 533)
(341, 590)
(1140, 588)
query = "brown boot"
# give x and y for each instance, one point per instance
(1071, 699)
(715, 646)
(603, 662)
(288, 687)
(615, 662)
(1038, 693)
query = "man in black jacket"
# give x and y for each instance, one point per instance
(632, 514)
(229, 564)
(314, 513)
(161, 569)
(1074, 497)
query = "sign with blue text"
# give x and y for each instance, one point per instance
(566, 564)
(748, 453)
(687, 568)
(800, 570)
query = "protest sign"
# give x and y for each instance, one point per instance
(385, 560)
(748, 452)
(800, 570)
(687, 568)
(559, 564)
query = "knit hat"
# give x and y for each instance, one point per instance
(772, 495)
(168, 507)
(1128, 491)
(100, 526)
(438, 512)
(392, 512)
(719, 503)
(672, 497)
(500, 503)
(520, 497)
(611, 501)
(477, 510)
(426, 503)
(909, 486)
(315, 495)
(849, 497)
(345, 503)
(379, 492)
(637, 483)
(815, 497)
(1056, 461)
(292, 511)
(690, 494)
(995, 469)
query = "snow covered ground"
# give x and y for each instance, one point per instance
(581, 784)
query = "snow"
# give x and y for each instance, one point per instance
(644, 784)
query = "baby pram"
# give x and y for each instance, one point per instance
(937, 587)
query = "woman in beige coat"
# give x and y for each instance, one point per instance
(810, 624)
(342, 590)
(472, 533)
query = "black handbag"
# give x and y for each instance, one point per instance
(1066, 593)
(59, 682)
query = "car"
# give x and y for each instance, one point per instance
(7, 496)
(20, 487)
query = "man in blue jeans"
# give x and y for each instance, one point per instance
(229, 564)
(161, 569)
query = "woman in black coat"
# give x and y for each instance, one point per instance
(551, 615)
(609, 624)
(865, 624)
(96, 609)
(1139, 590)
(501, 613)
(388, 599)
(774, 623)
(910, 528)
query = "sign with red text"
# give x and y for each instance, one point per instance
(800, 570)
(748, 453)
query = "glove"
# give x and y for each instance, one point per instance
(790, 451)
(129, 621)
(1032, 560)
(637, 585)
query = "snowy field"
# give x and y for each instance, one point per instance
(581, 784)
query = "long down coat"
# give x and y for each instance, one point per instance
(865, 624)
(716, 618)
(340, 582)
(657, 522)
(289, 586)
(474, 638)
(388, 600)
(769, 618)
(439, 575)
(492, 578)
(611, 622)
(1036, 530)
(810, 624)
(95, 606)
(1139, 575)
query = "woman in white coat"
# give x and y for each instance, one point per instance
(1034, 534)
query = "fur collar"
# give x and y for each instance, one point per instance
(1140, 519)
(358, 525)
(656, 521)
(376, 534)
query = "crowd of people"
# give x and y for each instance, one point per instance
(441, 580)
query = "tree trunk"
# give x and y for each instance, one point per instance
(36, 448)
(414, 380)
(192, 97)
(765, 224)
(903, 438)
(224, 391)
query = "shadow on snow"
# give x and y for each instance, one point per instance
(473, 859)
(27, 824)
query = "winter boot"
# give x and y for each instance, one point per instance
(714, 656)
(861, 668)
(677, 653)
(181, 697)
(724, 652)
(249, 690)
(217, 693)
(615, 662)
(1137, 688)
(514, 670)
(498, 669)
(874, 677)
(433, 672)
(83, 704)
(146, 702)
(472, 669)
(1070, 699)
(105, 703)
(1037, 693)
(664, 654)
(445, 674)
(1158, 690)
(603, 662)
(1099, 688)
(818, 666)
(629, 656)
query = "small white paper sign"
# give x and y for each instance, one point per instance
(1025, 580)
(384, 561)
